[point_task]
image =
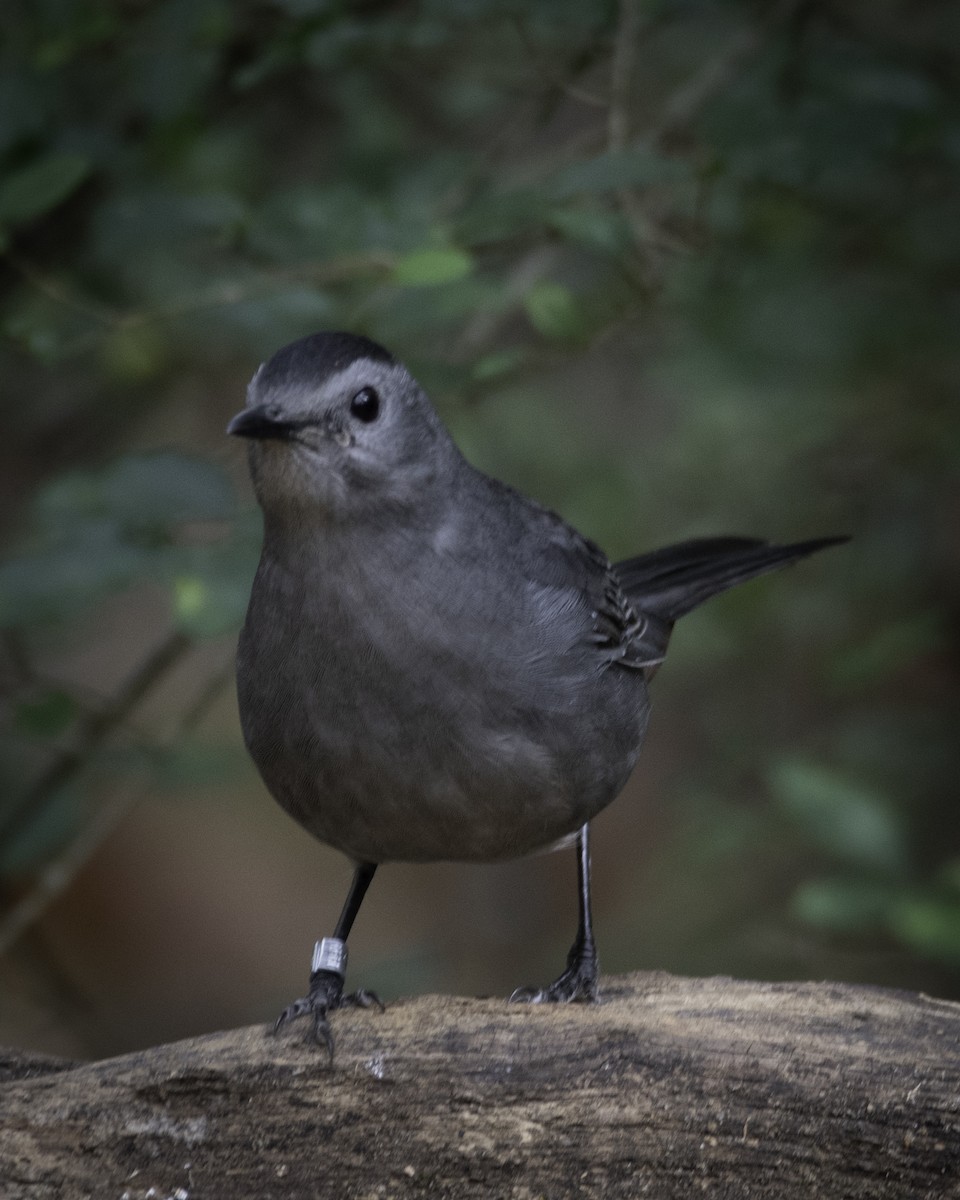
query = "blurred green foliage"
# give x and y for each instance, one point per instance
(721, 296)
(96, 532)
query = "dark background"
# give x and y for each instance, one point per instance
(675, 268)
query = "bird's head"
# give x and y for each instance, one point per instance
(338, 427)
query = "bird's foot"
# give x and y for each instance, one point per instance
(325, 993)
(577, 984)
(324, 996)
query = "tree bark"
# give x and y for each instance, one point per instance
(668, 1088)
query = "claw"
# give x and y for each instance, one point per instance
(363, 998)
(322, 1033)
(564, 990)
(299, 1008)
(577, 984)
(521, 995)
(324, 997)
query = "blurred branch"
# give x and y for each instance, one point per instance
(339, 270)
(56, 291)
(484, 325)
(621, 74)
(688, 101)
(18, 671)
(93, 729)
(677, 113)
(553, 79)
(647, 237)
(57, 875)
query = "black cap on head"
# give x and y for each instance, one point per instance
(317, 357)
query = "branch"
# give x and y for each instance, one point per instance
(648, 239)
(343, 269)
(93, 730)
(621, 74)
(57, 874)
(718, 72)
(671, 1088)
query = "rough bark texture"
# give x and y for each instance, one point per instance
(669, 1088)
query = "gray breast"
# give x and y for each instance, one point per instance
(429, 720)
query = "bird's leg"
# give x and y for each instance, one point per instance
(329, 968)
(579, 980)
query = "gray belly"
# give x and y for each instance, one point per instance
(421, 756)
(428, 800)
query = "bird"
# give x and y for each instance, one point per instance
(433, 666)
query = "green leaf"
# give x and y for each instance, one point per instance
(99, 531)
(156, 491)
(427, 268)
(67, 500)
(638, 167)
(848, 818)
(595, 228)
(133, 355)
(206, 608)
(36, 189)
(212, 587)
(504, 215)
(496, 364)
(553, 310)
(189, 597)
(57, 583)
(842, 905)
(47, 714)
(930, 926)
(138, 492)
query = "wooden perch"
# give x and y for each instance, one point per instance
(669, 1088)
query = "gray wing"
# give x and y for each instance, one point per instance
(630, 607)
(577, 573)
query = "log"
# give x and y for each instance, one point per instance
(668, 1088)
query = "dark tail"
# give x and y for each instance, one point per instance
(670, 582)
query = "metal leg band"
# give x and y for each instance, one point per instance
(330, 954)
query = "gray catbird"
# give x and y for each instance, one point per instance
(432, 665)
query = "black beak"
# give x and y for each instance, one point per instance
(261, 421)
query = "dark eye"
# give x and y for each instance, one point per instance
(365, 405)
